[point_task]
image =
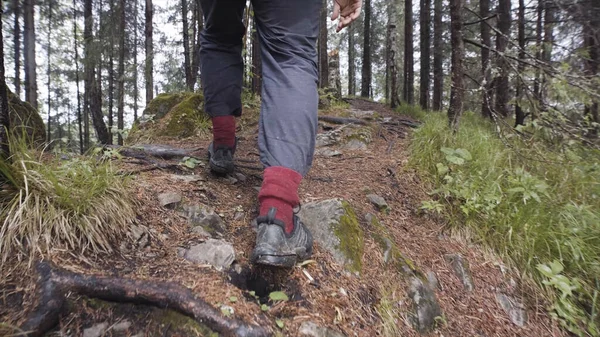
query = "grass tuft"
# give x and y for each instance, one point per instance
(80, 205)
(536, 204)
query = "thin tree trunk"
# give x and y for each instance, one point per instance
(186, 46)
(502, 37)
(592, 62)
(198, 24)
(538, 46)
(17, 46)
(438, 57)
(393, 54)
(149, 48)
(351, 64)
(135, 63)
(31, 94)
(111, 76)
(365, 89)
(323, 62)
(76, 60)
(486, 40)
(425, 24)
(121, 73)
(49, 58)
(458, 50)
(4, 110)
(547, 50)
(409, 61)
(519, 113)
(256, 63)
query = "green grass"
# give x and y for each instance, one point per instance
(535, 204)
(79, 204)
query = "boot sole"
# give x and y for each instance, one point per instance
(287, 261)
(221, 169)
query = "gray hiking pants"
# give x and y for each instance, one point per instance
(288, 31)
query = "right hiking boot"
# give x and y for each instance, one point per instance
(220, 159)
(274, 247)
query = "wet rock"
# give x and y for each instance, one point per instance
(95, 331)
(513, 308)
(426, 308)
(205, 217)
(122, 326)
(460, 266)
(379, 202)
(334, 226)
(169, 199)
(219, 254)
(313, 330)
(355, 145)
(328, 153)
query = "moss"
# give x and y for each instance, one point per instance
(363, 134)
(351, 238)
(163, 103)
(181, 322)
(186, 118)
(396, 258)
(25, 121)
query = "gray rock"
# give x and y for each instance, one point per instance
(169, 199)
(366, 114)
(219, 254)
(187, 178)
(205, 217)
(239, 216)
(328, 153)
(460, 266)
(426, 308)
(335, 227)
(328, 138)
(313, 330)
(379, 202)
(122, 326)
(95, 331)
(432, 280)
(201, 231)
(241, 177)
(140, 236)
(355, 145)
(513, 308)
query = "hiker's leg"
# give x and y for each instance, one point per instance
(222, 66)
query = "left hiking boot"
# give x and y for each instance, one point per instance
(220, 158)
(274, 247)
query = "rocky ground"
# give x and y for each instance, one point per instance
(380, 267)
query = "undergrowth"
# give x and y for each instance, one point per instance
(79, 204)
(534, 203)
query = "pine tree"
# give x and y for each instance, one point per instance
(458, 51)
(425, 25)
(365, 89)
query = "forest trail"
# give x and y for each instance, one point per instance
(407, 252)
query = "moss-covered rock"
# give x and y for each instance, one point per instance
(178, 115)
(392, 255)
(335, 227)
(25, 121)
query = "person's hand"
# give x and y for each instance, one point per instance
(347, 11)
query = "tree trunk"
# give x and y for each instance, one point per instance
(198, 24)
(121, 73)
(351, 64)
(256, 62)
(425, 24)
(186, 46)
(502, 37)
(111, 76)
(592, 62)
(538, 55)
(486, 71)
(49, 83)
(365, 88)
(458, 51)
(438, 57)
(547, 49)
(393, 54)
(76, 60)
(323, 62)
(17, 46)
(4, 110)
(31, 94)
(149, 47)
(409, 62)
(334, 78)
(135, 63)
(519, 113)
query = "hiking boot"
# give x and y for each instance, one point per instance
(220, 159)
(274, 247)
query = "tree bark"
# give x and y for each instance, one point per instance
(547, 49)
(538, 55)
(425, 25)
(409, 62)
(502, 36)
(486, 40)
(31, 94)
(17, 45)
(458, 50)
(111, 76)
(135, 63)
(186, 46)
(121, 71)
(198, 24)
(519, 113)
(365, 89)
(351, 64)
(393, 54)
(438, 57)
(256, 62)
(323, 61)
(592, 61)
(149, 48)
(76, 60)
(4, 109)
(334, 78)
(48, 72)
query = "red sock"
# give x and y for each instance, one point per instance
(280, 190)
(224, 131)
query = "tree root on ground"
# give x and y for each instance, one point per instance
(159, 151)
(55, 283)
(342, 120)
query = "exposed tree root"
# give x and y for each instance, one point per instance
(158, 151)
(55, 283)
(342, 120)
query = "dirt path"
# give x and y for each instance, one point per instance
(375, 303)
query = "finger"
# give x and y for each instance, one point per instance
(355, 14)
(336, 11)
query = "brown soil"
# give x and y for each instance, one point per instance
(335, 298)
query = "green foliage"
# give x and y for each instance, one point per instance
(278, 296)
(531, 201)
(80, 204)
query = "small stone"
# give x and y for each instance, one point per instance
(95, 331)
(122, 326)
(355, 145)
(256, 188)
(239, 216)
(513, 308)
(425, 305)
(328, 153)
(379, 202)
(239, 176)
(187, 178)
(461, 269)
(432, 280)
(169, 199)
(327, 138)
(217, 253)
(140, 236)
(200, 231)
(181, 251)
(311, 329)
(231, 180)
(205, 217)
